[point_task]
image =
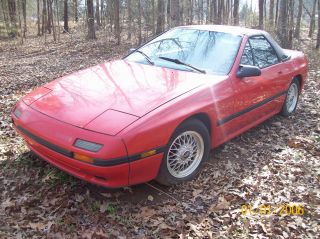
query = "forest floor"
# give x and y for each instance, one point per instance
(276, 163)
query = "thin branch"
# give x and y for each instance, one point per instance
(306, 9)
(158, 189)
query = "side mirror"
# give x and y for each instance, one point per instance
(247, 71)
(131, 50)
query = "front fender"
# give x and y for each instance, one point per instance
(155, 129)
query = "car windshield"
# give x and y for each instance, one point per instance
(202, 51)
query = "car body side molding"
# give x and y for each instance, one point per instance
(250, 108)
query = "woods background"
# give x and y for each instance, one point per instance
(138, 20)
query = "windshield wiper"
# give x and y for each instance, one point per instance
(182, 63)
(145, 56)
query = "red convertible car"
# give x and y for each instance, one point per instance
(156, 113)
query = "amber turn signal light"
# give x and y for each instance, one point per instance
(83, 158)
(148, 153)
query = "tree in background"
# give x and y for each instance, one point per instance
(271, 13)
(277, 14)
(282, 28)
(49, 16)
(13, 18)
(161, 17)
(318, 36)
(236, 12)
(261, 5)
(98, 13)
(297, 30)
(90, 20)
(312, 20)
(65, 16)
(24, 14)
(38, 18)
(174, 13)
(117, 20)
(129, 19)
(140, 20)
(139, 23)
(44, 17)
(75, 10)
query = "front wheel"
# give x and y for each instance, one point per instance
(291, 101)
(188, 148)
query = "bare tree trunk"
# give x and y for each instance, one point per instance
(50, 9)
(160, 19)
(236, 12)
(211, 12)
(174, 12)
(111, 14)
(49, 19)
(38, 17)
(13, 18)
(318, 36)
(168, 13)
(312, 20)
(291, 23)
(44, 17)
(24, 14)
(57, 17)
(98, 13)
(200, 11)
(227, 12)
(102, 13)
(65, 16)
(190, 12)
(282, 30)
(153, 17)
(5, 16)
(117, 20)
(19, 9)
(265, 11)
(215, 12)
(261, 3)
(271, 13)
(207, 11)
(220, 11)
(129, 19)
(277, 14)
(75, 10)
(139, 23)
(90, 20)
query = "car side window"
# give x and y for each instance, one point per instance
(247, 57)
(263, 52)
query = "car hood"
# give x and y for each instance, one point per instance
(112, 89)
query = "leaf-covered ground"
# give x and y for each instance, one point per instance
(276, 163)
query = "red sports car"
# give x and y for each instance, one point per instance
(156, 113)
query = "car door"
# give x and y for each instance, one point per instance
(274, 72)
(254, 94)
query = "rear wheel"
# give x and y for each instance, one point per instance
(188, 148)
(291, 101)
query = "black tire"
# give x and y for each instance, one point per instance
(286, 111)
(164, 176)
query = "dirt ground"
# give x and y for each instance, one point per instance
(276, 163)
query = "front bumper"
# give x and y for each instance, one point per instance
(112, 177)
(115, 168)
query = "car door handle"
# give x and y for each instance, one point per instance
(280, 72)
